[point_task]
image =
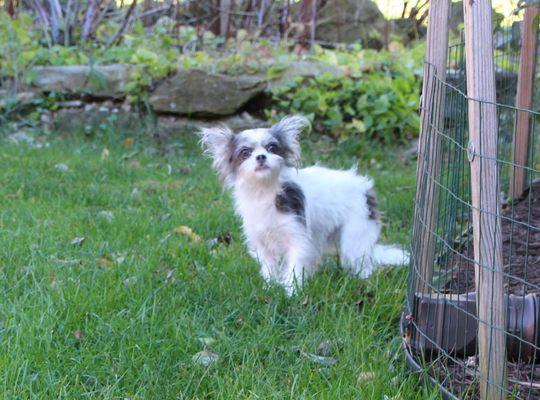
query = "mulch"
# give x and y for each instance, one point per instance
(521, 259)
(523, 380)
(521, 249)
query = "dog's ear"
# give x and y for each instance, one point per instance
(218, 143)
(287, 131)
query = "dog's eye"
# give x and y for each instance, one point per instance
(271, 148)
(245, 153)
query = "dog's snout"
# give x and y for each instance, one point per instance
(261, 158)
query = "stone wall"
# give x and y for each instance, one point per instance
(187, 99)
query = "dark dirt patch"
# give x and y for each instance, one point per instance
(521, 257)
(462, 379)
(521, 249)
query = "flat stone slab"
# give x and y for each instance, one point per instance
(194, 92)
(22, 98)
(105, 81)
(91, 117)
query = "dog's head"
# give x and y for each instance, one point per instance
(254, 155)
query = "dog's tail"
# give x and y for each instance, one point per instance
(384, 254)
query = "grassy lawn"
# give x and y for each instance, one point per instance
(121, 313)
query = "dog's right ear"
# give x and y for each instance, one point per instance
(287, 132)
(218, 143)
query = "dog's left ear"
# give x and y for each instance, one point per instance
(287, 131)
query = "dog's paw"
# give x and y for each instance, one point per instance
(366, 271)
(291, 288)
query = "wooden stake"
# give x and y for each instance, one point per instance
(485, 203)
(525, 88)
(431, 117)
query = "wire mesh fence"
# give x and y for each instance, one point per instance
(442, 320)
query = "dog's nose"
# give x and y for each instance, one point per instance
(260, 158)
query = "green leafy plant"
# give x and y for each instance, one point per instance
(376, 98)
(18, 49)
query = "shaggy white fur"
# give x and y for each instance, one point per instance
(291, 217)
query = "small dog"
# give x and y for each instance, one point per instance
(291, 217)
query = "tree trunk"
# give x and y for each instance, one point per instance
(11, 8)
(305, 18)
(215, 15)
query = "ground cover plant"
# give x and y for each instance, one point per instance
(121, 261)
(376, 99)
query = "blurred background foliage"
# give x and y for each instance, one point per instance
(371, 52)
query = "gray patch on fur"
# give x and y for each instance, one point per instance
(291, 200)
(371, 200)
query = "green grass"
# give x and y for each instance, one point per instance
(122, 314)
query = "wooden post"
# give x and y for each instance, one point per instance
(485, 200)
(428, 168)
(525, 89)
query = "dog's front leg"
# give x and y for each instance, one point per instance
(267, 263)
(267, 270)
(299, 264)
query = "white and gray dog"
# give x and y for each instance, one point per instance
(292, 216)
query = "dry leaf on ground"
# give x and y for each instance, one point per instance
(187, 231)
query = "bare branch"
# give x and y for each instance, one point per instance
(260, 14)
(74, 19)
(88, 18)
(124, 25)
(56, 7)
(42, 14)
(67, 18)
(101, 14)
(154, 11)
(56, 16)
(313, 23)
(42, 17)
(404, 11)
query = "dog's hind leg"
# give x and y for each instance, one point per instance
(357, 242)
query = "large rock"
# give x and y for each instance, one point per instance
(350, 21)
(197, 93)
(102, 81)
